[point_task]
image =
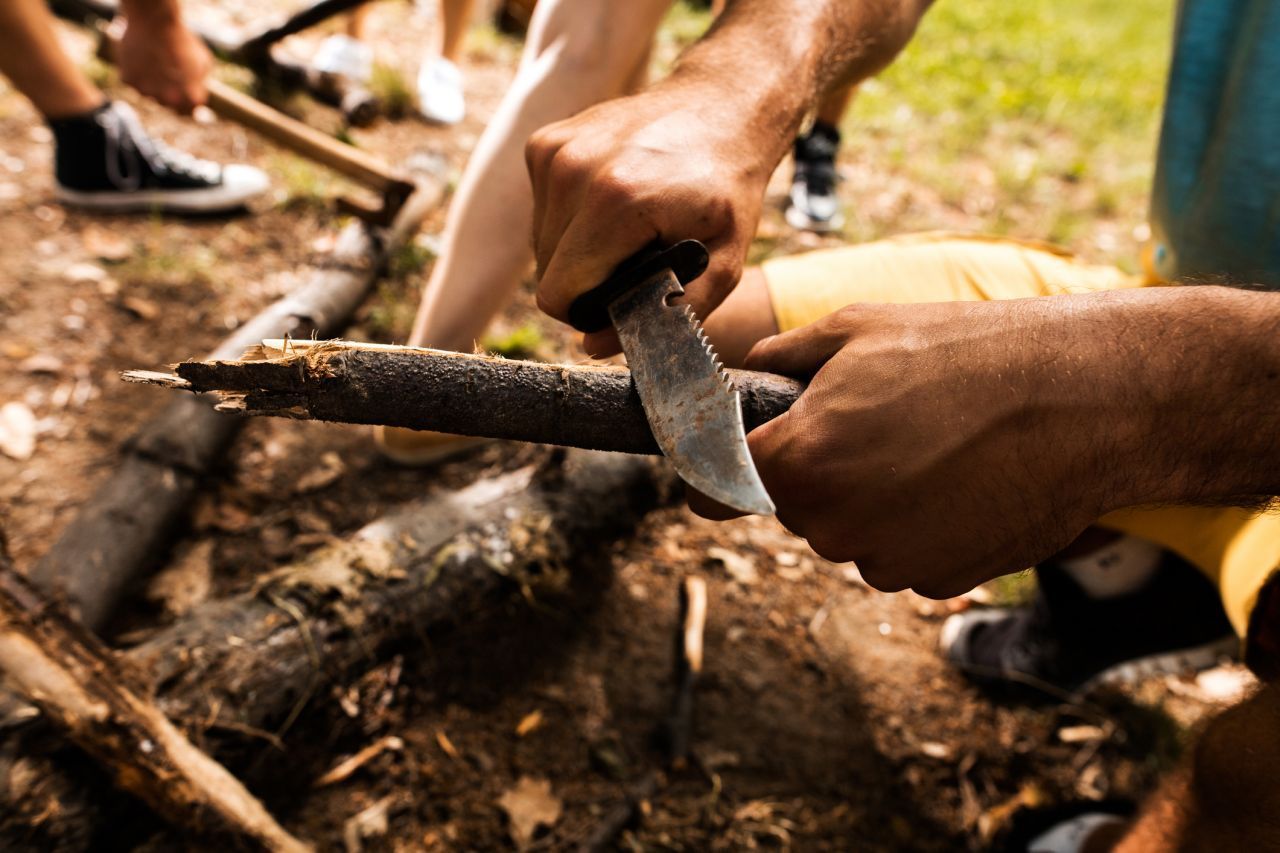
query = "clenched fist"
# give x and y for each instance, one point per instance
(163, 60)
(941, 445)
(653, 166)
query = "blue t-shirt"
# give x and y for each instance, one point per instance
(1216, 201)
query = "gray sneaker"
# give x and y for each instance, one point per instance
(1066, 642)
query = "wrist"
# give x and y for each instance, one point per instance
(754, 129)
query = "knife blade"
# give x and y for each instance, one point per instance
(692, 406)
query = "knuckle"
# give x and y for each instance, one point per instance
(565, 165)
(613, 190)
(848, 317)
(540, 148)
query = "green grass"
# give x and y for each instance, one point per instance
(523, 342)
(308, 187)
(392, 89)
(1058, 103)
(162, 263)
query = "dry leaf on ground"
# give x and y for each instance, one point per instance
(370, 823)
(331, 467)
(529, 805)
(529, 723)
(187, 582)
(105, 245)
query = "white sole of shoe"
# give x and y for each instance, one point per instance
(237, 190)
(1192, 659)
(1176, 662)
(803, 222)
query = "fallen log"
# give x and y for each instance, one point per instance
(122, 529)
(587, 406)
(80, 687)
(256, 661)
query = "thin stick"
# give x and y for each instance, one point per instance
(677, 728)
(79, 686)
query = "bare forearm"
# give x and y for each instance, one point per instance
(1208, 400)
(791, 53)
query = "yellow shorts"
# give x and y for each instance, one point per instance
(1239, 549)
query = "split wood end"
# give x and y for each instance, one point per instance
(155, 377)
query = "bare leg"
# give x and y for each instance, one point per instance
(833, 106)
(32, 58)
(455, 15)
(742, 320)
(577, 54)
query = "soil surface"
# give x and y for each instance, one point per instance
(825, 718)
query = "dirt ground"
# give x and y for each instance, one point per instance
(825, 721)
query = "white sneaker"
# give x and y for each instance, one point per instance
(106, 161)
(345, 56)
(440, 91)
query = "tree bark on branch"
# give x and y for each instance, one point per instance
(122, 528)
(255, 661)
(83, 689)
(586, 406)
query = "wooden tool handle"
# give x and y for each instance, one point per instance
(304, 140)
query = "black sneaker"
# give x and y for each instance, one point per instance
(1068, 642)
(104, 160)
(812, 204)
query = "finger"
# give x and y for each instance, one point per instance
(704, 506)
(175, 98)
(590, 249)
(540, 152)
(801, 352)
(705, 293)
(602, 344)
(197, 95)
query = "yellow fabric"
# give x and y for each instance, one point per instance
(1240, 550)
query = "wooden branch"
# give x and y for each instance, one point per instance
(676, 730)
(82, 689)
(123, 528)
(306, 141)
(255, 661)
(588, 406)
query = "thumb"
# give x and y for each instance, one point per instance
(801, 352)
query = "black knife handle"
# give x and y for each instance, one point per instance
(687, 259)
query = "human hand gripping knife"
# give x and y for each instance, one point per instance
(692, 407)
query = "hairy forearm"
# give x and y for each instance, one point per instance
(769, 61)
(1206, 399)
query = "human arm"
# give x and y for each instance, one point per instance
(960, 441)
(690, 156)
(160, 57)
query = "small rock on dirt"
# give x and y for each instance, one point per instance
(18, 427)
